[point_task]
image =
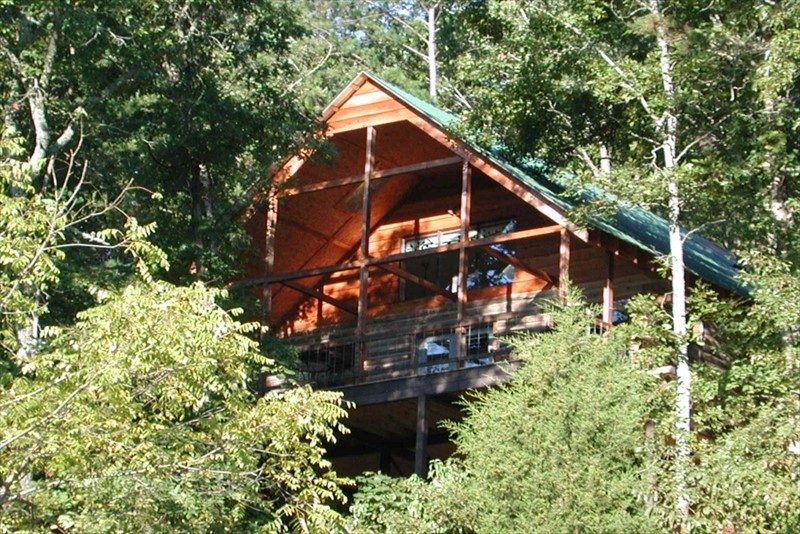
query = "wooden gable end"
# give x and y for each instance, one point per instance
(369, 105)
(320, 219)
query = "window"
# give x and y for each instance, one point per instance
(485, 270)
(436, 352)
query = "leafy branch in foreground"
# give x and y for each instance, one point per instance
(40, 221)
(140, 417)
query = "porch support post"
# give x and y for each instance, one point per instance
(363, 279)
(385, 461)
(270, 224)
(563, 263)
(421, 447)
(463, 258)
(608, 290)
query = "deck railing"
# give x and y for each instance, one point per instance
(337, 365)
(412, 344)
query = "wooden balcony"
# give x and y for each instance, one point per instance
(403, 355)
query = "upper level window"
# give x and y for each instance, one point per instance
(485, 270)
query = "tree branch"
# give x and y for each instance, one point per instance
(625, 82)
(52, 51)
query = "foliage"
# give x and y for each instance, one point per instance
(386, 37)
(406, 505)
(561, 448)
(748, 409)
(187, 98)
(566, 445)
(38, 225)
(606, 91)
(139, 418)
(563, 80)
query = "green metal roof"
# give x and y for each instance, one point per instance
(631, 224)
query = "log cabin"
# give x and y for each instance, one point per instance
(398, 267)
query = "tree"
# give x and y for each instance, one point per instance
(747, 409)
(409, 43)
(38, 224)
(191, 99)
(560, 448)
(650, 100)
(139, 417)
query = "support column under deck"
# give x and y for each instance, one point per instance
(421, 447)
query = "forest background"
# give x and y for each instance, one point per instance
(133, 135)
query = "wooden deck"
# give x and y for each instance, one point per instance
(419, 344)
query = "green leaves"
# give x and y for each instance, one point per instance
(144, 405)
(561, 448)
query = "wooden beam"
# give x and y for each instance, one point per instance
(608, 290)
(512, 260)
(463, 257)
(363, 99)
(363, 275)
(414, 279)
(359, 178)
(392, 258)
(365, 110)
(290, 167)
(312, 292)
(334, 127)
(421, 447)
(563, 263)
(315, 233)
(491, 240)
(306, 273)
(409, 387)
(351, 251)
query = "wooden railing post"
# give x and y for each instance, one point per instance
(363, 278)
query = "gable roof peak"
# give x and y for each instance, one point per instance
(639, 227)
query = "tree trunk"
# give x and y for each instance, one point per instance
(683, 401)
(776, 202)
(605, 159)
(432, 74)
(28, 333)
(201, 211)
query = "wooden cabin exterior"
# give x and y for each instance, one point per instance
(398, 266)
